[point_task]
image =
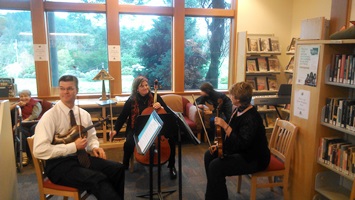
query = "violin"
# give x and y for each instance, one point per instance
(74, 132)
(219, 137)
(163, 146)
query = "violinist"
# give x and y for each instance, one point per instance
(211, 96)
(245, 147)
(140, 99)
(103, 178)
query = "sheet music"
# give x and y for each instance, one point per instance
(149, 132)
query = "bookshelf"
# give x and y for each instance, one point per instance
(312, 176)
(259, 65)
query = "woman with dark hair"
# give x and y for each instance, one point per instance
(140, 99)
(245, 147)
(211, 96)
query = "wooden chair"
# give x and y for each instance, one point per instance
(46, 188)
(281, 147)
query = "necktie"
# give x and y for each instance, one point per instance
(82, 155)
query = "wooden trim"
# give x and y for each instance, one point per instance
(209, 12)
(13, 5)
(156, 10)
(113, 38)
(233, 53)
(178, 46)
(74, 7)
(39, 32)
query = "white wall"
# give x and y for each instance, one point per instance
(279, 17)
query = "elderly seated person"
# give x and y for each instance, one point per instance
(31, 110)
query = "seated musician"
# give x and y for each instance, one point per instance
(211, 96)
(31, 109)
(69, 164)
(140, 99)
(245, 147)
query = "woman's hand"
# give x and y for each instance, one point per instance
(212, 149)
(156, 106)
(220, 122)
(112, 134)
(99, 152)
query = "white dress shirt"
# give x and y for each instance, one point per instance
(57, 120)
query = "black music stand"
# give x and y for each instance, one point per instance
(168, 125)
(182, 126)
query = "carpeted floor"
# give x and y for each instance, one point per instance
(193, 180)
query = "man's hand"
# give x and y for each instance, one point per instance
(81, 143)
(99, 152)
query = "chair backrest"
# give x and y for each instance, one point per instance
(282, 140)
(38, 166)
(46, 105)
(175, 102)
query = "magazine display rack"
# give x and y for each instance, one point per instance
(258, 65)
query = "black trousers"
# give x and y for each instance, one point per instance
(217, 169)
(104, 178)
(129, 149)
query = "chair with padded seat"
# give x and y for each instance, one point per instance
(46, 188)
(180, 104)
(281, 148)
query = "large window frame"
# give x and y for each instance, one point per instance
(112, 10)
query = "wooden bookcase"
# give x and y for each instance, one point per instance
(247, 56)
(309, 177)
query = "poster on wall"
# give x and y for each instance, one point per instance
(307, 65)
(301, 101)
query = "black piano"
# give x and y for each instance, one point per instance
(283, 96)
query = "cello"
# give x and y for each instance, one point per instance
(163, 145)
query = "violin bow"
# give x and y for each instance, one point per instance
(80, 133)
(203, 125)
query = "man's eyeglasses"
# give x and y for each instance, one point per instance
(69, 89)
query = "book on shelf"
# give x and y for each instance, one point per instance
(261, 83)
(272, 83)
(263, 116)
(292, 45)
(252, 65)
(252, 81)
(290, 79)
(262, 64)
(291, 63)
(271, 118)
(261, 107)
(342, 69)
(253, 44)
(274, 43)
(273, 64)
(264, 44)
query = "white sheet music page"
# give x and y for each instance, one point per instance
(149, 132)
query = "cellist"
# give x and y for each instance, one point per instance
(141, 98)
(245, 147)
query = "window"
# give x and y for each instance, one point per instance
(78, 46)
(206, 51)
(221, 4)
(146, 49)
(80, 1)
(16, 47)
(146, 2)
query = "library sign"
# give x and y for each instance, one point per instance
(307, 65)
